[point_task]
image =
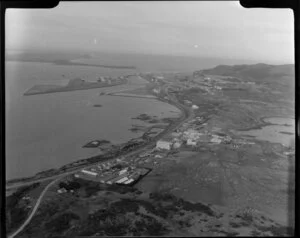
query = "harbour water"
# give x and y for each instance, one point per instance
(48, 130)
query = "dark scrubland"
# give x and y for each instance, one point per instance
(16, 208)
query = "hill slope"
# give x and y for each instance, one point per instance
(251, 72)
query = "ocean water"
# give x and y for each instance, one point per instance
(48, 130)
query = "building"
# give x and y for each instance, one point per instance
(123, 171)
(187, 102)
(156, 91)
(129, 181)
(216, 140)
(191, 142)
(177, 145)
(101, 79)
(192, 134)
(195, 107)
(62, 190)
(122, 180)
(76, 82)
(165, 145)
(114, 180)
(89, 172)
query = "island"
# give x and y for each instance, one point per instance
(76, 84)
(96, 143)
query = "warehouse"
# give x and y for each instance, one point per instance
(165, 145)
(87, 172)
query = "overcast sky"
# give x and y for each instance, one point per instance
(206, 29)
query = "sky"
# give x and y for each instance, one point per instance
(222, 29)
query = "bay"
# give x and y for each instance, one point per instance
(48, 130)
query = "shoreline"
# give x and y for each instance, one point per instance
(264, 123)
(79, 164)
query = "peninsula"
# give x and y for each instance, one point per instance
(75, 84)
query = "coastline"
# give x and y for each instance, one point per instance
(264, 123)
(70, 63)
(79, 164)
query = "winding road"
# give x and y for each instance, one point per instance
(37, 204)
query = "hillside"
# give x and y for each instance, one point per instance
(252, 72)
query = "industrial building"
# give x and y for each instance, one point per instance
(165, 145)
(127, 175)
(89, 172)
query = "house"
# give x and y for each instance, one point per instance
(62, 190)
(161, 144)
(195, 107)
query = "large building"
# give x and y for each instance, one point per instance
(165, 145)
(87, 172)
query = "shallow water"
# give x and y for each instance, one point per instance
(283, 131)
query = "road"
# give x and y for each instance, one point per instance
(37, 204)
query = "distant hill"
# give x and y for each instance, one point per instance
(254, 72)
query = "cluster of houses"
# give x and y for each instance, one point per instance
(193, 134)
(109, 80)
